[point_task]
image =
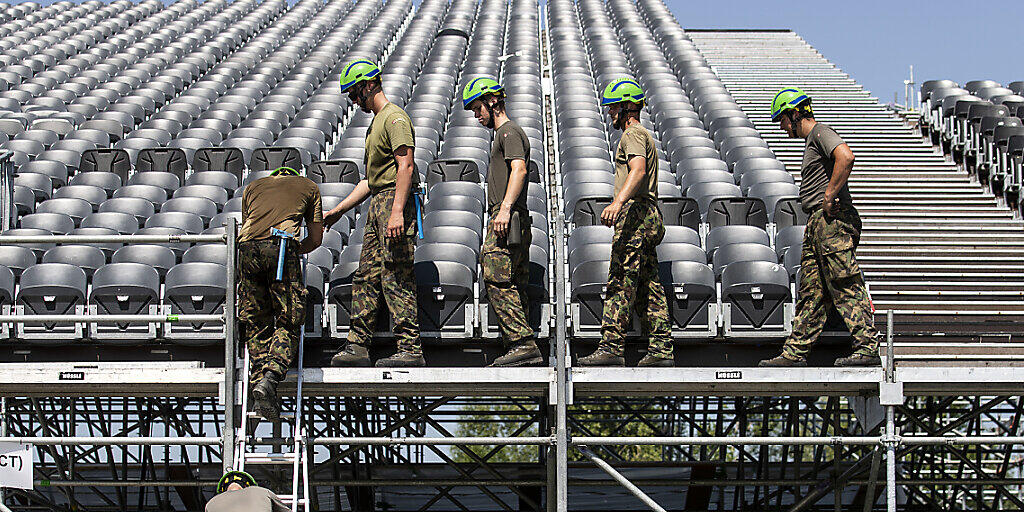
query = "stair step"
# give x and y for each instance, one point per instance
(285, 415)
(270, 458)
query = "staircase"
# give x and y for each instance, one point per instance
(937, 248)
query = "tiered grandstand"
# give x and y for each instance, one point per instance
(130, 131)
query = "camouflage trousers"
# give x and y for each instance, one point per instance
(270, 312)
(506, 272)
(386, 273)
(830, 275)
(633, 283)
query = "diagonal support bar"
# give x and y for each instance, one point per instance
(636, 491)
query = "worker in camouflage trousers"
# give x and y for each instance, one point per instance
(385, 273)
(829, 273)
(505, 255)
(633, 283)
(271, 311)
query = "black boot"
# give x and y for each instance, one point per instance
(401, 360)
(600, 357)
(781, 361)
(524, 353)
(650, 361)
(264, 395)
(351, 355)
(859, 360)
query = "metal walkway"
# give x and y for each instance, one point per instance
(937, 248)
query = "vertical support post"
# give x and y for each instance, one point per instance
(561, 380)
(3, 433)
(890, 419)
(230, 348)
(7, 208)
(558, 475)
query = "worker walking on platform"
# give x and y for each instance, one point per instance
(633, 282)
(237, 492)
(829, 274)
(505, 255)
(272, 300)
(385, 270)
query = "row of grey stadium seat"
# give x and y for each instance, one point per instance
(119, 186)
(980, 126)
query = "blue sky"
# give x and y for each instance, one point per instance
(876, 41)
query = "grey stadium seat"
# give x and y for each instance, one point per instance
(755, 299)
(200, 206)
(445, 276)
(123, 223)
(17, 258)
(195, 288)
(107, 181)
(89, 193)
(86, 257)
(188, 222)
(209, 253)
(53, 222)
(140, 208)
(789, 238)
(692, 297)
(157, 257)
(724, 235)
(47, 289)
(732, 253)
(117, 161)
(125, 289)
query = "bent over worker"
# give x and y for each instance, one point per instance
(385, 271)
(272, 301)
(633, 282)
(829, 274)
(505, 254)
(237, 492)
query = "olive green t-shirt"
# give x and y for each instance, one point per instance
(510, 143)
(817, 166)
(281, 202)
(636, 141)
(391, 129)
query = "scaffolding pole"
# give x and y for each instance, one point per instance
(230, 349)
(891, 439)
(116, 441)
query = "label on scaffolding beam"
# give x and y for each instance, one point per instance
(729, 375)
(172, 318)
(16, 465)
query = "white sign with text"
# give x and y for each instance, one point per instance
(15, 465)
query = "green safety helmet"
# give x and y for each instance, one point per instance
(623, 89)
(235, 477)
(358, 71)
(789, 98)
(284, 171)
(480, 87)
